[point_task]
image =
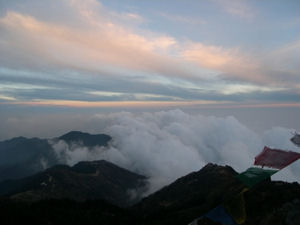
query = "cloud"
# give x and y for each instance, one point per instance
(75, 152)
(183, 19)
(98, 46)
(7, 98)
(169, 144)
(283, 62)
(231, 63)
(162, 145)
(130, 17)
(93, 48)
(238, 8)
(277, 68)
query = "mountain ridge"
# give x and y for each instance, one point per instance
(21, 156)
(95, 190)
(187, 198)
(88, 140)
(81, 182)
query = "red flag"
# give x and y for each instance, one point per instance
(276, 158)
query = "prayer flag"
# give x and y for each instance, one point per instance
(220, 215)
(236, 207)
(276, 158)
(255, 175)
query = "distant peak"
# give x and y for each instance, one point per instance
(92, 163)
(74, 133)
(59, 167)
(89, 140)
(211, 167)
(20, 138)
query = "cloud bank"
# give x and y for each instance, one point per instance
(169, 144)
(62, 45)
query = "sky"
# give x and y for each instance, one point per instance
(64, 63)
(97, 54)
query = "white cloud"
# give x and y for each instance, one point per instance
(183, 19)
(75, 152)
(247, 88)
(7, 98)
(169, 144)
(239, 8)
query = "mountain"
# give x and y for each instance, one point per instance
(86, 139)
(188, 198)
(84, 181)
(21, 157)
(64, 212)
(197, 193)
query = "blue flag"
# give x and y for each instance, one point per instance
(220, 215)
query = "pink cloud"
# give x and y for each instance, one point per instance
(102, 45)
(112, 104)
(229, 62)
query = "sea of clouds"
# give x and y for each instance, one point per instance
(169, 144)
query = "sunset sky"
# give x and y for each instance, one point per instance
(76, 54)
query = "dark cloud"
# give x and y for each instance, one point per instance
(67, 87)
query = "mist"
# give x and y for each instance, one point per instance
(166, 145)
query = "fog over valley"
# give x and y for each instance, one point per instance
(166, 145)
